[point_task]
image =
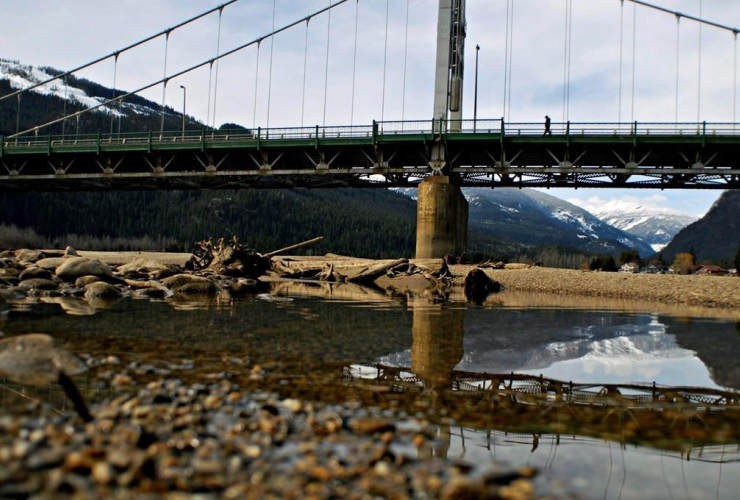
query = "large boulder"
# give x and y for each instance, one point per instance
(145, 266)
(38, 284)
(83, 281)
(27, 255)
(77, 267)
(207, 288)
(37, 359)
(51, 263)
(35, 273)
(180, 280)
(101, 290)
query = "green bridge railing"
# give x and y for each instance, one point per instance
(372, 132)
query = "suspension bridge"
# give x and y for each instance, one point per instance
(439, 154)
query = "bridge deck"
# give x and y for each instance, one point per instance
(384, 154)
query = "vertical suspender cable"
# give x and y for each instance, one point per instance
(385, 60)
(621, 44)
(18, 116)
(634, 46)
(66, 88)
(113, 90)
(164, 83)
(256, 85)
(218, 61)
(405, 58)
(511, 59)
(269, 77)
(506, 57)
(565, 55)
(305, 61)
(698, 93)
(354, 66)
(210, 87)
(570, 58)
(734, 79)
(326, 73)
(678, 60)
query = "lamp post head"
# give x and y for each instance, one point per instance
(477, 47)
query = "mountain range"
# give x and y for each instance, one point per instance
(654, 225)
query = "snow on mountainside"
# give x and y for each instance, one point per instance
(656, 226)
(531, 217)
(21, 76)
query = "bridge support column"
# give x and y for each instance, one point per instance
(441, 219)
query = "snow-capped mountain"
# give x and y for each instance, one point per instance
(533, 217)
(71, 94)
(656, 226)
(22, 76)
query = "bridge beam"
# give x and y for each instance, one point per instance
(441, 219)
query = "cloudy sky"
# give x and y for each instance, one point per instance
(67, 33)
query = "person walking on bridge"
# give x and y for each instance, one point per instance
(547, 126)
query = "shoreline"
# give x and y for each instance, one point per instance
(712, 292)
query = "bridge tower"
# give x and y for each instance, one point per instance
(442, 211)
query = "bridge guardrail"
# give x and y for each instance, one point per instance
(407, 127)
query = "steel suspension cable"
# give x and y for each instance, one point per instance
(687, 16)
(385, 60)
(698, 76)
(634, 51)
(210, 84)
(511, 59)
(305, 61)
(734, 80)
(18, 115)
(218, 61)
(269, 77)
(570, 50)
(164, 81)
(621, 45)
(678, 59)
(354, 66)
(239, 48)
(405, 58)
(113, 90)
(506, 57)
(120, 51)
(256, 84)
(326, 73)
(64, 109)
(565, 54)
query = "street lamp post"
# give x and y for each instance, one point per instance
(184, 102)
(475, 98)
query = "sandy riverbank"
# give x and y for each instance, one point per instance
(707, 291)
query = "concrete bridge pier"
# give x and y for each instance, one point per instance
(441, 219)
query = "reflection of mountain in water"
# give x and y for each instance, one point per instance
(510, 340)
(609, 344)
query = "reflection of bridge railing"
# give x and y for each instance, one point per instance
(376, 131)
(525, 388)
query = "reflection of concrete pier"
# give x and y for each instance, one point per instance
(438, 334)
(437, 347)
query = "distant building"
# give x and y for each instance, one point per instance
(630, 267)
(711, 269)
(654, 269)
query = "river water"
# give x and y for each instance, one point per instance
(441, 360)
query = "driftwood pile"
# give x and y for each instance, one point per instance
(227, 257)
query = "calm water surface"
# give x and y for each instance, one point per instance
(338, 344)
